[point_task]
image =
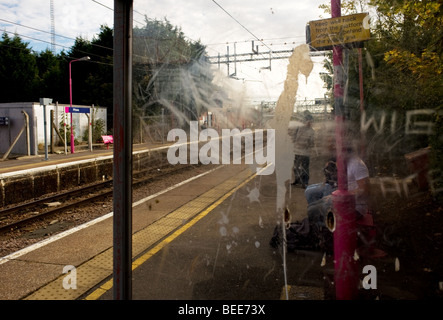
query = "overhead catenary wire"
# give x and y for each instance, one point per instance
(249, 40)
(112, 9)
(244, 27)
(108, 48)
(57, 44)
(57, 35)
(49, 42)
(275, 54)
(257, 38)
(141, 14)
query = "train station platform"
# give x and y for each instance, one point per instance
(27, 178)
(22, 162)
(205, 238)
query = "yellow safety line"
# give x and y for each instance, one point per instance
(108, 285)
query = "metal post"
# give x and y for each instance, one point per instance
(28, 139)
(64, 124)
(28, 136)
(89, 131)
(235, 59)
(345, 240)
(227, 55)
(45, 131)
(91, 120)
(51, 126)
(57, 127)
(163, 125)
(122, 149)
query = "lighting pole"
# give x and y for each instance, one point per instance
(70, 97)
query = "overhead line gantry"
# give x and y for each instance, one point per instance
(228, 58)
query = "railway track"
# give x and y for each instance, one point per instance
(23, 214)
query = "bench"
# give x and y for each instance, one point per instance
(107, 140)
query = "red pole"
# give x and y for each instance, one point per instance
(345, 240)
(70, 103)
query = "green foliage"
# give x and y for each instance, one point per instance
(27, 76)
(92, 80)
(98, 129)
(402, 70)
(170, 72)
(405, 51)
(61, 130)
(412, 56)
(18, 70)
(51, 76)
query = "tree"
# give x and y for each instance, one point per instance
(51, 79)
(92, 80)
(410, 42)
(402, 71)
(18, 70)
(170, 72)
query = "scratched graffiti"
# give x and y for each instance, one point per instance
(399, 139)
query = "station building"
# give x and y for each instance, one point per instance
(22, 125)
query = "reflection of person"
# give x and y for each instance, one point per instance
(319, 198)
(317, 191)
(320, 203)
(358, 181)
(303, 138)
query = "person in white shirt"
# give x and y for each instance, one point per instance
(358, 182)
(319, 196)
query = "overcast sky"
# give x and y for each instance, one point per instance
(280, 24)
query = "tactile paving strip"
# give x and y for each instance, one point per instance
(99, 268)
(92, 271)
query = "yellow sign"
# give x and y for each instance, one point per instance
(339, 31)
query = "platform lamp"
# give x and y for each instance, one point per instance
(70, 97)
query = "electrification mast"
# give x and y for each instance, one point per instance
(52, 27)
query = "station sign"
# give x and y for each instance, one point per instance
(349, 31)
(77, 110)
